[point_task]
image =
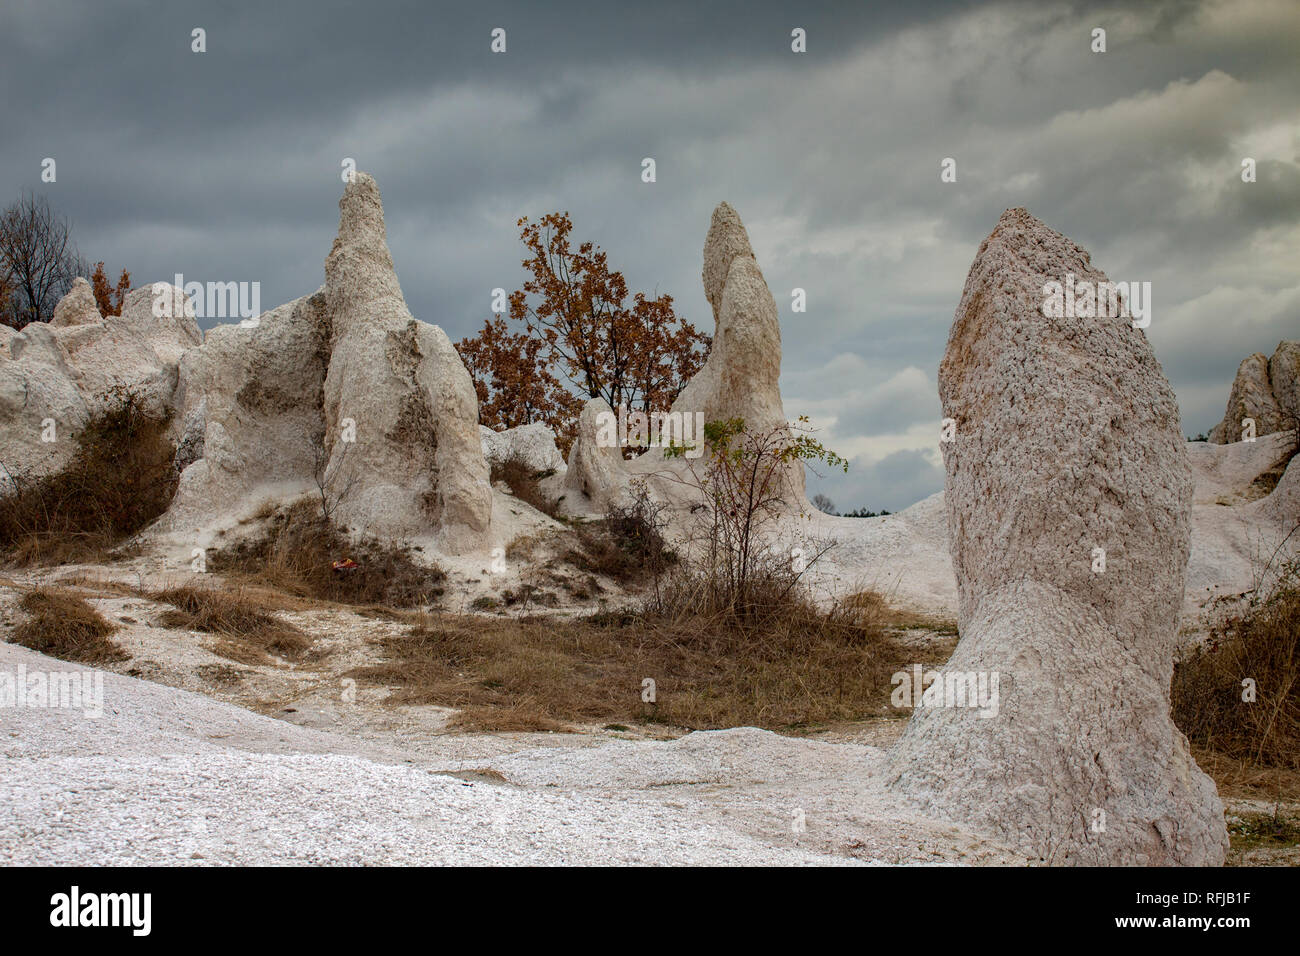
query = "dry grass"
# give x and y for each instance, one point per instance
(120, 478)
(63, 625)
(1238, 779)
(247, 631)
(802, 668)
(524, 482)
(297, 553)
(1261, 644)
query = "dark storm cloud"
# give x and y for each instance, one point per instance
(226, 165)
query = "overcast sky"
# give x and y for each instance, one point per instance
(225, 165)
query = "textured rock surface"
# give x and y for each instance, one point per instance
(77, 307)
(1284, 376)
(345, 386)
(417, 453)
(1265, 390)
(741, 378)
(533, 444)
(1068, 439)
(64, 371)
(251, 410)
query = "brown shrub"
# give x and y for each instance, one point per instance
(1262, 644)
(525, 483)
(120, 478)
(63, 625)
(628, 544)
(804, 667)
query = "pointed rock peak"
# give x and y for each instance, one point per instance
(1022, 239)
(726, 241)
(77, 307)
(360, 258)
(361, 210)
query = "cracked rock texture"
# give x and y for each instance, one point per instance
(1068, 440)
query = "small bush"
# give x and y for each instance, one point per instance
(628, 544)
(298, 552)
(63, 625)
(120, 478)
(249, 632)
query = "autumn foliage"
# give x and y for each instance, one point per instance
(515, 385)
(582, 336)
(108, 298)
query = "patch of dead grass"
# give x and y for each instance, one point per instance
(120, 478)
(61, 624)
(804, 668)
(246, 630)
(297, 552)
(524, 482)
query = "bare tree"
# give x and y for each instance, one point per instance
(37, 259)
(333, 491)
(824, 504)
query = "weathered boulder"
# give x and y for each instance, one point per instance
(416, 456)
(342, 391)
(533, 444)
(1067, 441)
(77, 307)
(137, 349)
(597, 475)
(54, 376)
(741, 377)
(1264, 389)
(251, 411)
(1284, 376)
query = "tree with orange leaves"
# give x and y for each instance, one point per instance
(108, 298)
(514, 386)
(580, 327)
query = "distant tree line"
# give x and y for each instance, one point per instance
(824, 504)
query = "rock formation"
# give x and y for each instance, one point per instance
(533, 444)
(342, 388)
(740, 378)
(65, 371)
(1265, 389)
(597, 474)
(1067, 441)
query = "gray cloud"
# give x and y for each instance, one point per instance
(226, 165)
